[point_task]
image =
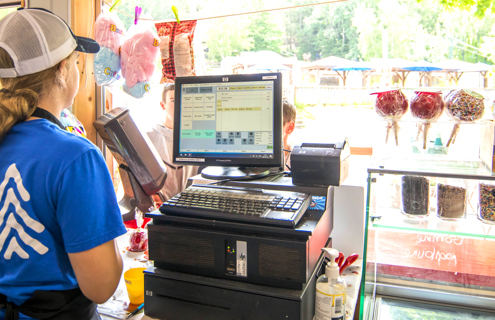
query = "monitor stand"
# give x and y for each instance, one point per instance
(234, 173)
(134, 195)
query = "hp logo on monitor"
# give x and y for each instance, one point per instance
(224, 79)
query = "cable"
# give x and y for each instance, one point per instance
(464, 49)
(477, 52)
(219, 181)
(287, 158)
(464, 43)
(235, 14)
(276, 176)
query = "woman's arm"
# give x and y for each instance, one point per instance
(98, 270)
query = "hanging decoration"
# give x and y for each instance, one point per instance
(139, 55)
(109, 33)
(176, 48)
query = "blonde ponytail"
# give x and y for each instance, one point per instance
(19, 96)
(14, 107)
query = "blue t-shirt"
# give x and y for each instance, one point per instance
(56, 197)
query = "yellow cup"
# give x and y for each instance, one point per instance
(134, 281)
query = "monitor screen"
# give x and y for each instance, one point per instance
(142, 171)
(229, 121)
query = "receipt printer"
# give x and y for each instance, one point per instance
(320, 164)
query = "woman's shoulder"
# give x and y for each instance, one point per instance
(52, 139)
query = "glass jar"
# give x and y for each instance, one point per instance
(486, 204)
(415, 199)
(451, 198)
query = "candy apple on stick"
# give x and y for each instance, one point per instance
(391, 106)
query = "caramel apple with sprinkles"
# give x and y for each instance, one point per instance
(463, 106)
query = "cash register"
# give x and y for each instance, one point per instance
(242, 243)
(226, 269)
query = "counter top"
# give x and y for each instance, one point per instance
(118, 305)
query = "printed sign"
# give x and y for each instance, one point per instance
(433, 256)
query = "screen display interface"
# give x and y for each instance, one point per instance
(227, 120)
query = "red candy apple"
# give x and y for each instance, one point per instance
(139, 241)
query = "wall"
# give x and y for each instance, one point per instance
(60, 7)
(82, 24)
(84, 107)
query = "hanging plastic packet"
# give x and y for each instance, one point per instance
(109, 33)
(138, 241)
(176, 49)
(140, 54)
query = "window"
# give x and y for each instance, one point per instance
(355, 31)
(5, 9)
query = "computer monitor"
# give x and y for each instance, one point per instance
(142, 171)
(231, 124)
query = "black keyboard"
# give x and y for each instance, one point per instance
(258, 206)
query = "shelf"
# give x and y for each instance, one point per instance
(471, 226)
(414, 308)
(431, 168)
(443, 120)
(430, 258)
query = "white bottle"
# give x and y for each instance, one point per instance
(330, 291)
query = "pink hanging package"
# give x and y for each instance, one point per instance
(140, 53)
(109, 33)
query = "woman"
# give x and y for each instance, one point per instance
(58, 210)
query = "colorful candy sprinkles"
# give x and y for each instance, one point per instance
(465, 105)
(487, 202)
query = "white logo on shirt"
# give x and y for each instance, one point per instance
(11, 222)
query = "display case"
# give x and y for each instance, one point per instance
(429, 243)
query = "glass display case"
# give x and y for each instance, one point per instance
(429, 243)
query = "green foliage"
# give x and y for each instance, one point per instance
(227, 37)
(324, 29)
(6, 11)
(305, 114)
(419, 31)
(264, 33)
(488, 45)
(480, 7)
(464, 37)
(356, 30)
(299, 105)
